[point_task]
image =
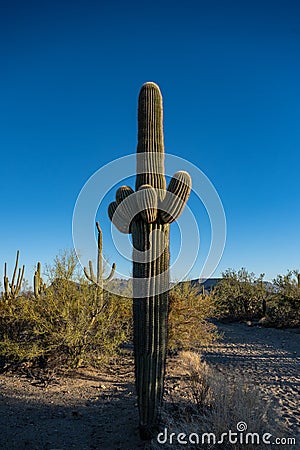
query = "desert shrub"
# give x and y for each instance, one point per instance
(239, 295)
(211, 402)
(189, 311)
(283, 308)
(64, 267)
(68, 325)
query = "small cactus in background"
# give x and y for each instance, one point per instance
(39, 286)
(90, 275)
(12, 290)
(147, 215)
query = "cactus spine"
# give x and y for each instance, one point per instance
(39, 286)
(11, 290)
(147, 215)
(90, 275)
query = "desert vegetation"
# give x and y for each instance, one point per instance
(284, 304)
(69, 324)
(68, 321)
(207, 402)
(189, 324)
(241, 295)
(63, 323)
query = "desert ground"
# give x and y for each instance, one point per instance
(92, 409)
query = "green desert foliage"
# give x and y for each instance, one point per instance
(239, 295)
(69, 325)
(283, 308)
(188, 318)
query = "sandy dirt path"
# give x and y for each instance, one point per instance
(94, 410)
(268, 358)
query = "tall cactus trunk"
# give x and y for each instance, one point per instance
(147, 215)
(150, 322)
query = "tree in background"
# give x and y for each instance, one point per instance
(240, 295)
(284, 304)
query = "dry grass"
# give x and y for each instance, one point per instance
(211, 402)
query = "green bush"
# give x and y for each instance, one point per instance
(188, 314)
(239, 295)
(65, 325)
(283, 307)
(68, 325)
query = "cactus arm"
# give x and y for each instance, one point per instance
(18, 280)
(127, 204)
(6, 283)
(118, 218)
(15, 269)
(112, 272)
(86, 273)
(147, 203)
(11, 290)
(36, 284)
(90, 275)
(18, 285)
(179, 190)
(22, 276)
(123, 192)
(99, 257)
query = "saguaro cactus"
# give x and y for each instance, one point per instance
(147, 215)
(11, 290)
(90, 275)
(38, 284)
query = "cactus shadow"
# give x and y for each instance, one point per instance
(38, 418)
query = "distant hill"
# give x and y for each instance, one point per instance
(210, 283)
(199, 283)
(125, 286)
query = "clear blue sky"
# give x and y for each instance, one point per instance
(229, 72)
